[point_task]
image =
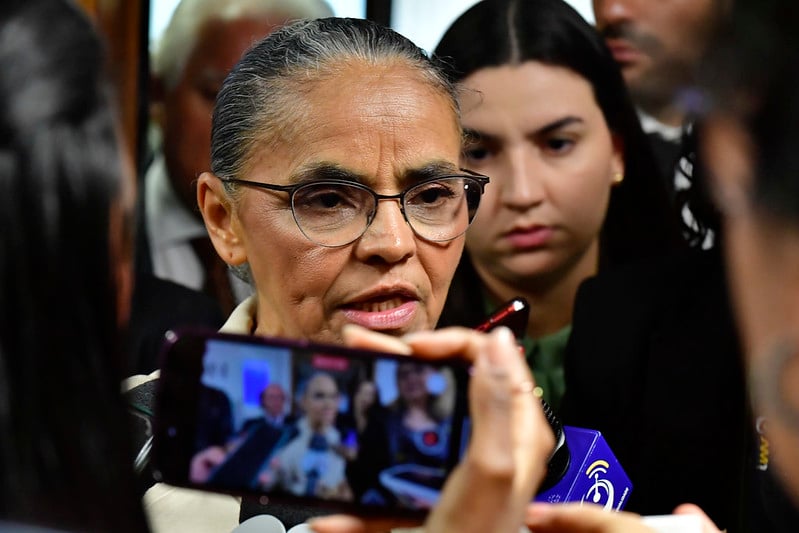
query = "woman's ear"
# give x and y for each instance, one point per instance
(220, 219)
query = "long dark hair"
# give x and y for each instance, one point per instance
(64, 454)
(640, 221)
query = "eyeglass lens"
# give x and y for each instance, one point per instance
(335, 214)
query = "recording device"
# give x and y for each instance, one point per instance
(212, 430)
(592, 473)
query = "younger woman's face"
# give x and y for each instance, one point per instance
(538, 133)
(412, 381)
(366, 395)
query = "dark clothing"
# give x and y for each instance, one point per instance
(654, 363)
(667, 154)
(241, 468)
(465, 302)
(215, 427)
(158, 306)
(250, 423)
(772, 510)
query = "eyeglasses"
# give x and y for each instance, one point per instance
(322, 396)
(334, 212)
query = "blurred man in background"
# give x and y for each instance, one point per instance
(175, 261)
(658, 44)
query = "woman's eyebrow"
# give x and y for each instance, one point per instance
(473, 135)
(325, 171)
(430, 170)
(556, 125)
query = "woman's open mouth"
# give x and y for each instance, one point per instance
(388, 312)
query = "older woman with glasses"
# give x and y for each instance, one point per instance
(335, 190)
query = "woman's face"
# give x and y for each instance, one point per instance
(383, 127)
(321, 401)
(412, 381)
(366, 395)
(541, 137)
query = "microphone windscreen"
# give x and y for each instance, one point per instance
(262, 523)
(301, 528)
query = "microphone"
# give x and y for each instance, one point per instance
(583, 469)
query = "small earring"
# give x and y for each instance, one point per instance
(618, 177)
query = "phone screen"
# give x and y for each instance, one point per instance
(295, 420)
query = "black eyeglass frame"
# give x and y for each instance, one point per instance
(480, 179)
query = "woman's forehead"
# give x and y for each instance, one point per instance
(374, 122)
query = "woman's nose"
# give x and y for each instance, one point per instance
(522, 183)
(388, 238)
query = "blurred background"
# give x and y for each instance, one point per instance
(133, 26)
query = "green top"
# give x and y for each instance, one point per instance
(545, 358)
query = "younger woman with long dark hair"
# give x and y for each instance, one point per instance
(574, 187)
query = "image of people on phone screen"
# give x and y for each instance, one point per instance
(317, 425)
(409, 440)
(273, 403)
(310, 464)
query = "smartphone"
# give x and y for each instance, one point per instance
(298, 421)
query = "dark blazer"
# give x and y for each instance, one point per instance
(160, 305)
(654, 363)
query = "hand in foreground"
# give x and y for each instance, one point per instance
(707, 524)
(576, 518)
(511, 440)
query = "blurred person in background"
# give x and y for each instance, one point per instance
(574, 187)
(748, 143)
(180, 279)
(658, 45)
(66, 206)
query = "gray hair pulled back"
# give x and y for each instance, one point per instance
(261, 99)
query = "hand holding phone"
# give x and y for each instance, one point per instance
(420, 413)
